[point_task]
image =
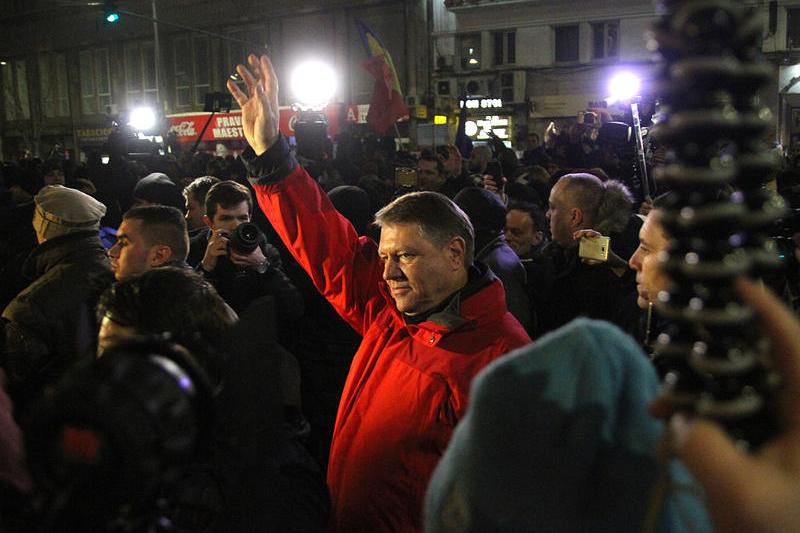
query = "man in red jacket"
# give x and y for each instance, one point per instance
(429, 318)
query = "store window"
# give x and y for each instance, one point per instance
(95, 81)
(605, 40)
(567, 43)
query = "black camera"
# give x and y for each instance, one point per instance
(115, 435)
(246, 238)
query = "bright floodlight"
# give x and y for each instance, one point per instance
(313, 84)
(142, 118)
(623, 86)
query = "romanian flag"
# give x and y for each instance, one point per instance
(388, 104)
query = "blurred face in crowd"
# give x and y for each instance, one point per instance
(419, 273)
(563, 216)
(650, 279)
(54, 177)
(521, 232)
(194, 214)
(229, 219)
(132, 255)
(428, 175)
(452, 165)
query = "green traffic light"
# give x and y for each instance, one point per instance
(112, 17)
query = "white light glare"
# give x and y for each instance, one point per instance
(313, 84)
(142, 118)
(623, 86)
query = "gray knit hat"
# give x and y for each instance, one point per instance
(61, 210)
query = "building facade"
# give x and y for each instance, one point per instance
(520, 64)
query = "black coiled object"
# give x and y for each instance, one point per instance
(712, 357)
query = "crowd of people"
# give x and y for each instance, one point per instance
(385, 354)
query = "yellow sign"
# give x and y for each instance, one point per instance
(440, 119)
(421, 111)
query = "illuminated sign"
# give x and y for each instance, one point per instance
(479, 129)
(482, 103)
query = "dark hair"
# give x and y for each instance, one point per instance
(176, 301)
(438, 218)
(227, 194)
(534, 211)
(198, 188)
(427, 155)
(162, 224)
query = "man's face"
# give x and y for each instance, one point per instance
(560, 215)
(420, 275)
(194, 214)
(229, 219)
(650, 279)
(131, 255)
(428, 175)
(54, 177)
(533, 142)
(521, 234)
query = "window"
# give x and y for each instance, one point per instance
(15, 90)
(54, 86)
(470, 46)
(567, 43)
(793, 28)
(192, 71)
(605, 39)
(140, 74)
(236, 53)
(505, 47)
(95, 81)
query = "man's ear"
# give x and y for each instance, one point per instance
(456, 250)
(160, 254)
(207, 221)
(576, 217)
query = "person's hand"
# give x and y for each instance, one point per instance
(491, 185)
(744, 492)
(646, 206)
(217, 247)
(254, 259)
(260, 109)
(585, 233)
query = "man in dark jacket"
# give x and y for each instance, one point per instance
(488, 216)
(50, 325)
(429, 317)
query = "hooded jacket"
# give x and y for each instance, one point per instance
(408, 383)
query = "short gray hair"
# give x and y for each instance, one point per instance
(439, 219)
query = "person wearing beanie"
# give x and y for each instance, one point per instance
(49, 325)
(157, 188)
(487, 213)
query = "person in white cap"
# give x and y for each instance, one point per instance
(49, 325)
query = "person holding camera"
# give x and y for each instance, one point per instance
(237, 259)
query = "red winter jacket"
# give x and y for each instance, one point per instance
(408, 384)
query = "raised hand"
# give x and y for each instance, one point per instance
(751, 492)
(260, 109)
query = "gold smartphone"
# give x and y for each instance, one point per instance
(595, 248)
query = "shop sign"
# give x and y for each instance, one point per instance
(480, 128)
(481, 103)
(93, 135)
(228, 126)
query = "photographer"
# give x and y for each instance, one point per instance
(237, 259)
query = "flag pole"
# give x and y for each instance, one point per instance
(399, 139)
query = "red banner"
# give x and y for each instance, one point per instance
(228, 126)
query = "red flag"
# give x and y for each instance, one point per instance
(388, 104)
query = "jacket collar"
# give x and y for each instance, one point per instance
(70, 247)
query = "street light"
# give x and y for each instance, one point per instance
(313, 84)
(623, 87)
(142, 119)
